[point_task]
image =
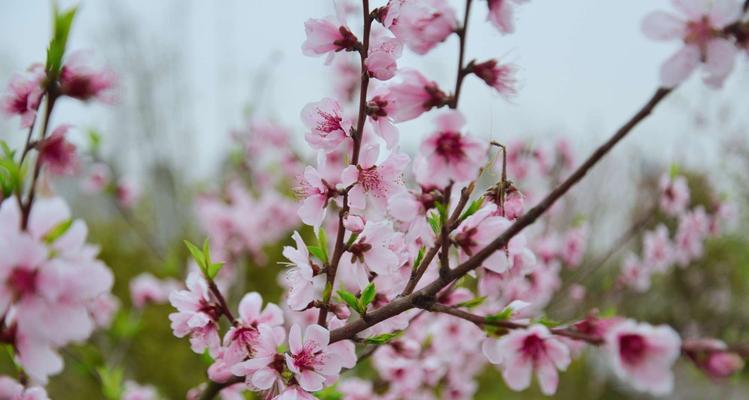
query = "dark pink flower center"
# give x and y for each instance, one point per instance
(450, 146)
(23, 281)
(465, 240)
(376, 107)
(328, 122)
(308, 358)
(370, 179)
(533, 347)
(347, 41)
(632, 348)
(699, 32)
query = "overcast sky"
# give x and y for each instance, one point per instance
(584, 67)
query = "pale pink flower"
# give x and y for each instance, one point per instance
(674, 194)
(354, 223)
(414, 96)
(264, 368)
(370, 252)
(501, 14)
(103, 309)
(642, 355)
(327, 126)
(346, 78)
(197, 315)
(23, 95)
(380, 111)
(421, 24)
(304, 285)
(658, 252)
(57, 154)
(477, 231)
(448, 155)
(384, 51)
(525, 351)
(310, 359)
(97, 179)
(573, 246)
(690, 236)
(84, 83)
(501, 77)
(327, 36)
(10, 389)
(356, 389)
(316, 191)
(146, 288)
(699, 27)
(634, 274)
(127, 192)
(136, 391)
(294, 392)
(241, 339)
(373, 181)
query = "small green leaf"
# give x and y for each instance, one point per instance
(475, 302)
(419, 257)
(111, 381)
(442, 209)
(94, 140)
(673, 171)
(367, 296)
(322, 241)
(547, 322)
(503, 315)
(62, 21)
(197, 254)
(213, 269)
(329, 393)
(57, 231)
(475, 206)
(434, 222)
(350, 299)
(317, 252)
(383, 338)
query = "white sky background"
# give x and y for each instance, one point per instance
(584, 68)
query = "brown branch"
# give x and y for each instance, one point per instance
(462, 34)
(221, 301)
(357, 134)
(401, 304)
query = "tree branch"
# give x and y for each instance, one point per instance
(462, 33)
(402, 304)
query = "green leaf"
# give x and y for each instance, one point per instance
(367, 296)
(472, 208)
(111, 381)
(94, 140)
(503, 315)
(197, 254)
(546, 321)
(475, 302)
(213, 269)
(673, 171)
(61, 23)
(434, 222)
(419, 257)
(317, 252)
(383, 338)
(329, 393)
(322, 241)
(442, 209)
(350, 299)
(57, 231)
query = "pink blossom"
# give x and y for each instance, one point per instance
(146, 288)
(196, 315)
(294, 392)
(240, 340)
(97, 179)
(127, 192)
(328, 127)
(384, 51)
(83, 83)
(57, 154)
(356, 389)
(573, 246)
(103, 309)
(310, 359)
(327, 36)
(642, 355)
(373, 181)
(304, 286)
(12, 390)
(380, 110)
(658, 252)
(634, 274)
(674, 194)
(264, 368)
(501, 14)
(477, 231)
(346, 78)
(370, 252)
(524, 351)
(135, 391)
(699, 27)
(354, 223)
(414, 96)
(690, 235)
(447, 155)
(501, 77)
(421, 25)
(316, 191)
(23, 96)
